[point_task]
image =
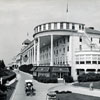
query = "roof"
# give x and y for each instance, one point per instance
(59, 69)
(42, 69)
(89, 30)
(27, 41)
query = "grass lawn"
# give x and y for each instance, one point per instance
(86, 84)
(74, 96)
(11, 90)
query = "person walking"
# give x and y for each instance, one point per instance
(91, 86)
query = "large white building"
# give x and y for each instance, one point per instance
(63, 45)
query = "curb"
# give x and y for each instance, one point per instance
(12, 96)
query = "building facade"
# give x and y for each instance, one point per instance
(63, 44)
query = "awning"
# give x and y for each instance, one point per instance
(33, 69)
(59, 69)
(42, 69)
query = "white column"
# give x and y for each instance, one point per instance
(51, 62)
(28, 57)
(34, 51)
(32, 55)
(38, 52)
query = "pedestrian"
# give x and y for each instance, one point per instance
(91, 86)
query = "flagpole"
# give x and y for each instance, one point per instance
(67, 11)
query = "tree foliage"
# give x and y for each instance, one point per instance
(2, 64)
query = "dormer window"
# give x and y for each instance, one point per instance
(61, 25)
(73, 26)
(79, 27)
(49, 26)
(82, 27)
(67, 25)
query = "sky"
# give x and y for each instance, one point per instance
(19, 17)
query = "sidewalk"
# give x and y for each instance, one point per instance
(77, 89)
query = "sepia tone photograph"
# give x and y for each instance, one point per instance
(49, 50)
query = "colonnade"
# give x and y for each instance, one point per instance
(37, 53)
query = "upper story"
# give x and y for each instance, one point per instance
(68, 28)
(58, 26)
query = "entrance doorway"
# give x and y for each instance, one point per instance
(60, 74)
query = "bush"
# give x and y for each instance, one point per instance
(68, 79)
(3, 96)
(26, 68)
(89, 77)
(9, 77)
(45, 79)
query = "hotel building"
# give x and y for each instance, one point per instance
(63, 48)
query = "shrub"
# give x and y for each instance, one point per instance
(45, 79)
(26, 68)
(89, 77)
(68, 79)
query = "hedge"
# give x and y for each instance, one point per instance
(45, 79)
(68, 79)
(26, 68)
(89, 77)
(9, 78)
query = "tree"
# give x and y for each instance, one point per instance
(2, 64)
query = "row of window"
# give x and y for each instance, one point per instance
(88, 57)
(87, 62)
(56, 25)
(91, 39)
(81, 71)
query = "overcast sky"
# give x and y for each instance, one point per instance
(17, 17)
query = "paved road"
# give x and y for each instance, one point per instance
(41, 89)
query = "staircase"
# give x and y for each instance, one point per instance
(60, 80)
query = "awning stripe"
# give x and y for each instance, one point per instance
(42, 69)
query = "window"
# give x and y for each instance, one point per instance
(98, 62)
(82, 62)
(63, 50)
(64, 40)
(99, 40)
(67, 48)
(94, 62)
(91, 39)
(73, 26)
(49, 26)
(68, 39)
(88, 62)
(79, 27)
(80, 71)
(80, 47)
(40, 27)
(90, 70)
(77, 62)
(67, 25)
(61, 25)
(82, 27)
(55, 25)
(80, 39)
(98, 70)
(44, 27)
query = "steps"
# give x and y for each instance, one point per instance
(60, 80)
